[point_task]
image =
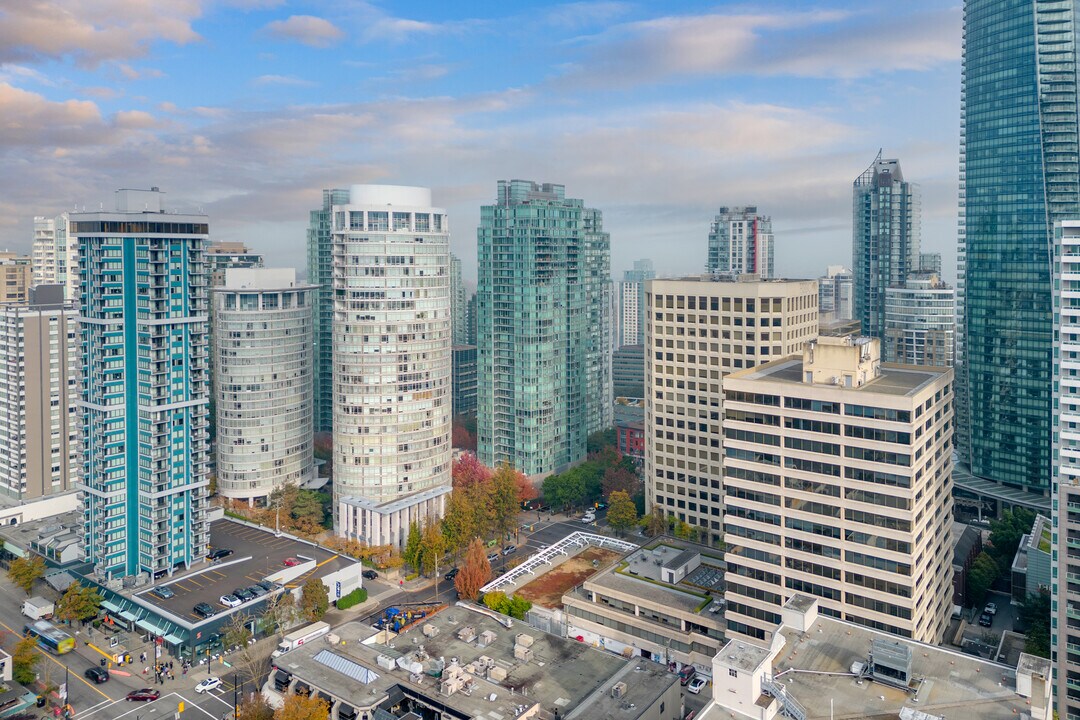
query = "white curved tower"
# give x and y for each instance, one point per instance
(392, 356)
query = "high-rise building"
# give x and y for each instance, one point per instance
(222, 255)
(464, 380)
(632, 303)
(836, 291)
(543, 327)
(458, 302)
(53, 255)
(920, 322)
(470, 320)
(38, 429)
(392, 362)
(144, 392)
(321, 273)
(263, 382)
(16, 278)
(885, 239)
(837, 484)
(930, 263)
(697, 331)
(1020, 172)
(628, 371)
(741, 243)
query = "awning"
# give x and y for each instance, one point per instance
(148, 626)
(128, 615)
(174, 639)
(110, 606)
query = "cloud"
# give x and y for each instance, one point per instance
(130, 73)
(306, 29)
(578, 15)
(281, 80)
(396, 29)
(92, 31)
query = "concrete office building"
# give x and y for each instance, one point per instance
(263, 384)
(741, 242)
(543, 327)
(920, 322)
(886, 232)
(16, 278)
(836, 295)
(699, 330)
(144, 392)
(321, 273)
(220, 256)
(837, 484)
(37, 396)
(632, 303)
(53, 255)
(392, 362)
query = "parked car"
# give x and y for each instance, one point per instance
(219, 553)
(588, 518)
(292, 562)
(544, 508)
(986, 620)
(509, 549)
(452, 574)
(370, 575)
(97, 675)
(686, 674)
(257, 590)
(696, 685)
(990, 609)
(143, 695)
(204, 610)
(266, 585)
(162, 592)
(229, 601)
(210, 683)
(493, 557)
(244, 594)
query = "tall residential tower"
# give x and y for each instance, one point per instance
(321, 273)
(741, 243)
(632, 303)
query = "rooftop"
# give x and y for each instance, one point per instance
(900, 380)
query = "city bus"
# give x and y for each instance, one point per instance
(50, 637)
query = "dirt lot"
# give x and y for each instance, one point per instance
(547, 590)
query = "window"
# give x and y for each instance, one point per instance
(731, 671)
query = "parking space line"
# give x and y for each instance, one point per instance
(194, 581)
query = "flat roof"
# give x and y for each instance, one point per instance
(899, 380)
(743, 656)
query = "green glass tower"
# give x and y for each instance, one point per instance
(543, 327)
(321, 273)
(1019, 171)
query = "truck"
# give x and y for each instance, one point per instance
(298, 637)
(38, 608)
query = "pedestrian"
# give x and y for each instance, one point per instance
(183, 670)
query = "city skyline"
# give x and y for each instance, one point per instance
(781, 118)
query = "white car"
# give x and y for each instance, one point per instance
(697, 684)
(230, 601)
(990, 609)
(210, 683)
(588, 519)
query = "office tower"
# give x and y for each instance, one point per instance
(458, 302)
(837, 485)
(632, 303)
(1019, 174)
(16, 278)
(835, 294)
(1065, 630)
(741, 242)
(920, 322)
(392, 362)
(885, 239)
(542, 314)
(698, 330)
(321, 273)
(930, 263)
(37, 405)
(53, 255)
(470, 320)
(464, 380)
(628, 371)
(143, 307)
(263, 382)
(220, 256)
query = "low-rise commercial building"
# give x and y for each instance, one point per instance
(1031, 564)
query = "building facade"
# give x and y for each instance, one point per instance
(392, 362)
(836, 295)
(321, 273)
(221, 255)
(543, 328)
(263, 383)
(920, 322)
(16, 278)
(144, 392)
(698, 330)
(886, 231)
(37, 396)
(458, 302)
(628, 371)
(837, 484)
(741, 243)
(464, 380)
(632, 303)
(53, 255)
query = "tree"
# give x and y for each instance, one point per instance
(1035, 614)
(618, 478)
(279, 613)
(314, 599)
(622, 513)
(251, 658)
(1005, 535)
(79, 602)
(601, 439)
(301, 706)
(515, 606)
(308, 508)
(475, 572)
(24, 661)
(459, 522)
(656, 523)
(432, 548)
(981, 576)
(504, 499)
(468, 470)
(461, 438)
(254, 707)
(237, 633)
(411, 553)
(526, 490)
(25, 570)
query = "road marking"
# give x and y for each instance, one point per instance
(196, 582)
(218, 573)
(50, 657)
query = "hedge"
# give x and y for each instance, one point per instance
(356, 597)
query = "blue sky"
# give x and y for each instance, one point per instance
(655, 112)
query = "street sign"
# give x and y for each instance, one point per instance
(62, 691)
(337, 589)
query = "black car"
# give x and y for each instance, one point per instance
(369, 574)
(163, 592)
(244, 594)
(204, 610)
(986, 620)
(266, 585)
(218, 553)
(97, 675)
(258, 590)
(452, 574)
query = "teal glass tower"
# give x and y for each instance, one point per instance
(543, 327)
(321, 273)
(1019, 170)
(143, 388)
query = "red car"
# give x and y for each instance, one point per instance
(291, 562)
(144, 695)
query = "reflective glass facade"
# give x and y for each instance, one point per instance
(321, 273)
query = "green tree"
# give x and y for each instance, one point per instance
(515, 606)
(314, 600)
(432, 548)
(24, 571)
(600, 439)
(459, 522)
(504, 499)
(1006, 533)
(655, 522)
(1035, 614)
(308, 508)
(622, 513)
(411, 554)
(24, 661)
(981, 576)
(79, 602)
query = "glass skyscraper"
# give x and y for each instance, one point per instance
(321, 273)
(543, 327)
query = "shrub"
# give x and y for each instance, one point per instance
(354, 598)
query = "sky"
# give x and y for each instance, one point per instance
(657, 113)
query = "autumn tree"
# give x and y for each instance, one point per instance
(475, 572)
(314, 600)
(617, 478)
(411, 553)
(656, 523)
(432, 548)
(526, 490)
(254, 707)
(279, 613)
(504, 499)
(622, 513)
(251, 658)
(302, 706)
(24, 661)
(467, 471)
(459, 522)
(79, 602)
(24, 571)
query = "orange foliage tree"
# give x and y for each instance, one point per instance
(475, 573)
